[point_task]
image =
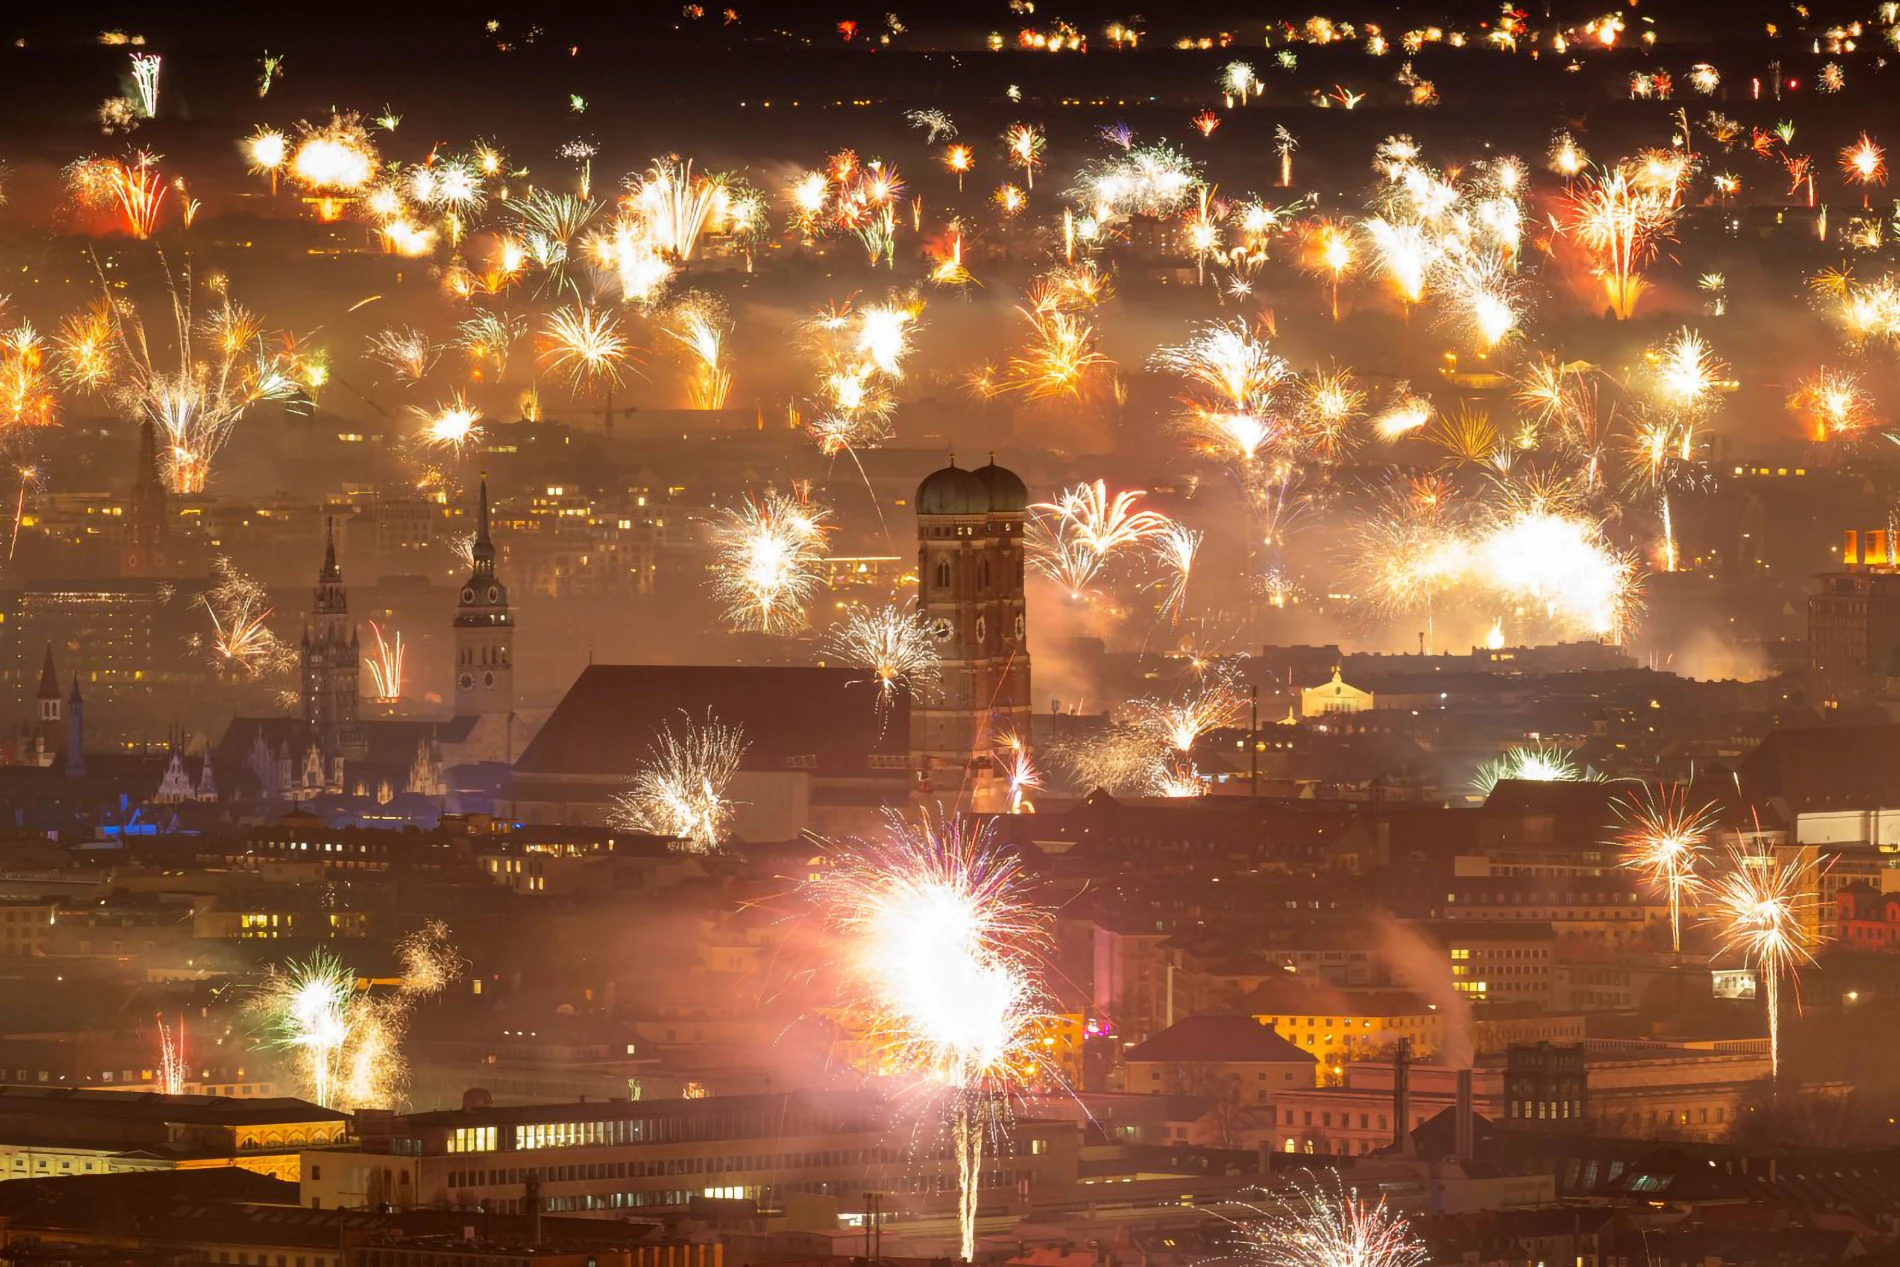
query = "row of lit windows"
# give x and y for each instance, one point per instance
(726, 1125)
(473, 1139)
(659, 1167)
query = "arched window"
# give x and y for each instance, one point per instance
(943, 574)
(983, 573)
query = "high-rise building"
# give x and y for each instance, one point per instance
(970, 594)
(484, 633)
(1854, 624)
(146, 528)
(332, 660)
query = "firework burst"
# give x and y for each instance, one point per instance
(766, 565)
(681, 789)
(1663, 837)
(1072, 538)
(893, 646)
(1326, 1223)
(584, 345)
(1620, 221)
(241, 643)
(1762, 906)
(1531, 763)
(939, 951)
(345, 1042)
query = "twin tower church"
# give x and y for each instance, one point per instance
(332, 749)
(970, 596)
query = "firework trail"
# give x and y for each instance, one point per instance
(386, 667)
(173, 1072)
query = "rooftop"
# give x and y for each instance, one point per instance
(1214, 1038)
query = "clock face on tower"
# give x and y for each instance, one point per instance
(941, 629)
(488, 679)
(1019, 627)
(468, 595)
(980, 628)
(466, 681)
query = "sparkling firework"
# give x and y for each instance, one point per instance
(939, 952)
(1620, 222)
(584, 345)
(1832, 405)
(344, 1042)
(1025, 143)
(385, 667)
(1176, 548)
(1147, 180)
(334, 158)
(1532, 763)
(266, 151)
(1687, 371)
(1763, 906)
(681, 790)
(698, 325)
(893, 646)
(241, 643)
(225, 366)
(1865, 163)
(145, 79)
(1325, 1223)
(1663, 838)
(173, 1071)
(1216, 700)
(1072, 538)
(1061, 355)
(406, 350)
(766, 566)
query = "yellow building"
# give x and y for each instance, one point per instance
(48, 1132)
(1341, 1026)
(1234, 1058)
(1333, 697)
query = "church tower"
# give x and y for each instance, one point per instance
(145, 529)
(484, 633)
(331, 657)
(970, 595)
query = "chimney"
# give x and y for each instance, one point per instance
(534, 1207)
(1402, 1098)
(1465, 1143)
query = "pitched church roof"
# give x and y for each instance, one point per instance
(609, 718)
(49, 678)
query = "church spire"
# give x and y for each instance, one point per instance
(331, 574)
(483, 551)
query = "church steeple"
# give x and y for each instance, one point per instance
(331, 573)
(482, 553)
(145, 529)
(484, 629)
(331, 659)
(971, 598)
